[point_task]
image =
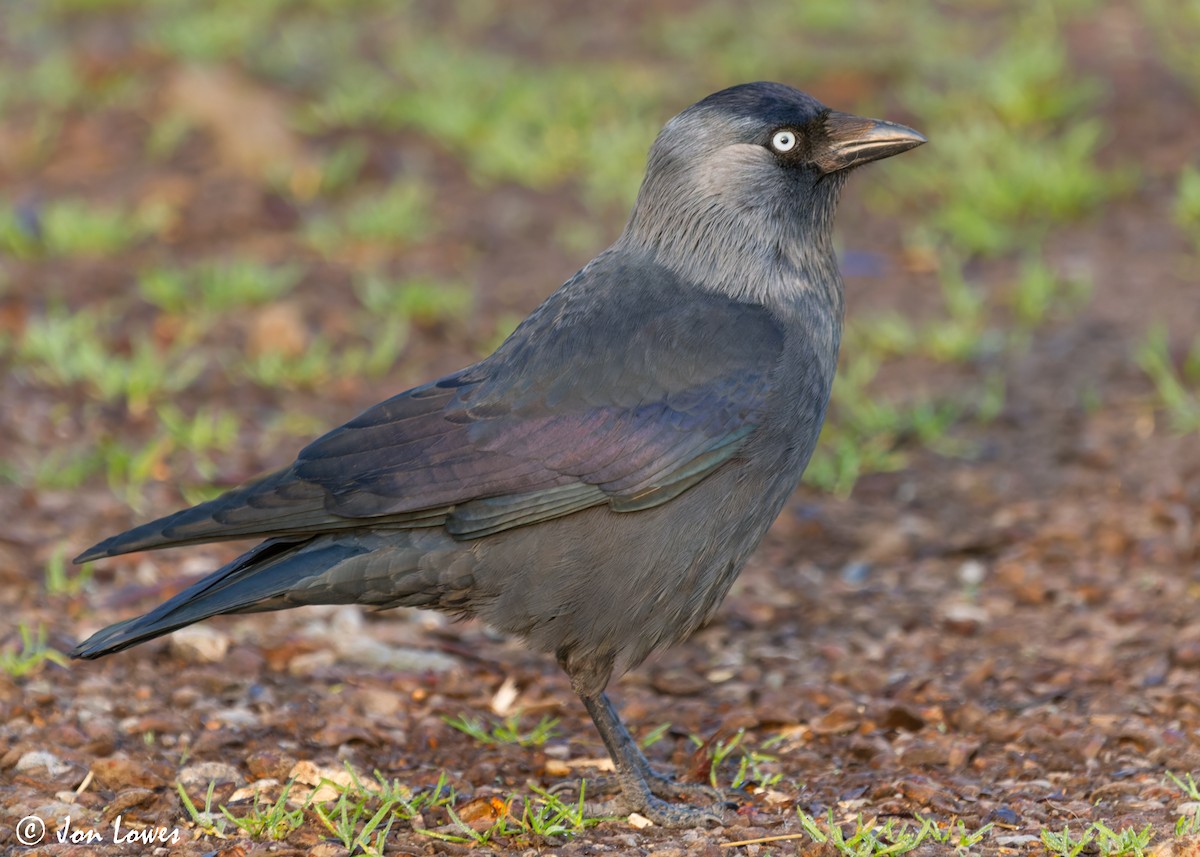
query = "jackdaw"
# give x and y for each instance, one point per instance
(596, 484)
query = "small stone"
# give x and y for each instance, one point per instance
(924, 753)
(328, 782)
(1016, 841)
(201, 774)
(127, 799)
(233, 718)
(327, 849)
(120, 772)
(38, 759)
(964, 619)
(1188, 808)
(378, 701)
(482, 812)
(255, 790)
(404, 659)
(678, 682)
(185, 697)
(1025, 582)
(839, 720)
(971, 573)
(55, 814)
(1003, 816)
(310, 662)
(269, 764)
(200, 644)
(855, 573)
(640, 821)
(1186, 653)
(902, 717)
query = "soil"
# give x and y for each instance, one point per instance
(1005, 637)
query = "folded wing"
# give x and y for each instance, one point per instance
(593, 400)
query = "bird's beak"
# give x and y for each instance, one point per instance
(854, 140)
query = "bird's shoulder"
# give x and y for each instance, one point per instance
(624, 331)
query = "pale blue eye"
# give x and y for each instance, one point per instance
(783, 141)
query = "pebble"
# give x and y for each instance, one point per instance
(855, 573)
(1004, 815)
(120, 772)
(372, 653)
(839, 720)
(964, 619)
(235, 718)
(310, 662)
(200, 644)
(1018, 840)
(270, 764)
(35, 759)
(255, 790)
(327, 781)
(54, 814)
(380, 702)
(201, 774)
(326, 849)
(971, 573)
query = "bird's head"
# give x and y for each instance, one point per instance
(749, 177)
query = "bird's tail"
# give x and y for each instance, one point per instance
(260, 579)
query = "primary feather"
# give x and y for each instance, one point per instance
(562, 417)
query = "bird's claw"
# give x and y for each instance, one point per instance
(668, 787)
(661, 785)
(658, 811)
(653, 804)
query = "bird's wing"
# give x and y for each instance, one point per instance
(627, 401)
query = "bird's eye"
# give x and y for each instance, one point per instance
(783, 141)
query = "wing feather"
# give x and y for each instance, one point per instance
(604, 395)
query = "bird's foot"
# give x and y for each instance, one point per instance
(665, 786)
(658, 811)
(642, 789)
(660, 785)
(652, 801)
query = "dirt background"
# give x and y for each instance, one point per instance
(1006, 636)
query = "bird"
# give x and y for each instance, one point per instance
(596, 484)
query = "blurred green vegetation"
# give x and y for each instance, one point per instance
(1176, 378)
(535, 99)
(1176, 27)
(216, 286)
(67, 227)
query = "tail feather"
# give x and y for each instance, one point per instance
(276, 506)
(208, 521)
(256, 581)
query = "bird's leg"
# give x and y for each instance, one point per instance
(661, 785)
(642, 788)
